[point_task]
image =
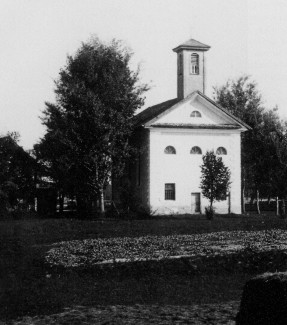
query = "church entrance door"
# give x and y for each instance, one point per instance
(195, 202)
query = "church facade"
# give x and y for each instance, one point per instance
(174, 135)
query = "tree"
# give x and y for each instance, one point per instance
(259, 158)
(17, 171)
(88, 128)
(215, 178)
(279, 177)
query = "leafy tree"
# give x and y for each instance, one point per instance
(259, 158)
(17, 171)
(279, 176)
(55, 164)
(88, 128)
(215, 178)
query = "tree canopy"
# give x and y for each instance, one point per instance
(215, 178)
(17, 171)
(88, 127)
(260, 160)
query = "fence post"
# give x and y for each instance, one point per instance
(257, 202)
(277, 206)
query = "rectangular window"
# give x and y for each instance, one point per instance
(169, 193)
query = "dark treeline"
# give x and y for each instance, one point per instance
(264, 147)
(18, 171)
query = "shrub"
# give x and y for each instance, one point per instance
(131, 205)
(209, 212)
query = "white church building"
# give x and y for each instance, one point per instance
(174, 135)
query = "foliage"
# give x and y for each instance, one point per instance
(89, 126)
(17, 169)
(209, 212)
(131, 206)
(279, 140)
(259, 155)
(89, 252)
(215, 179)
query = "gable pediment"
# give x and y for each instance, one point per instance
(196, 111)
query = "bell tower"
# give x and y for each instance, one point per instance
(190, 67)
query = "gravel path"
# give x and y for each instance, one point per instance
(209, 314)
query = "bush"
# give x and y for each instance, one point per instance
(131, 205)
(209, 213)
(264, 300)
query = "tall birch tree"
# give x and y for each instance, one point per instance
(88, 127)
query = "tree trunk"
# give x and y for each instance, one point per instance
(257, 202)
(102, 201)
(252, 198)
(209, 212)
(277, 206)
(81, 206)
(283, 208)
(61, 203)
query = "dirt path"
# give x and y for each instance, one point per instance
(216, 314)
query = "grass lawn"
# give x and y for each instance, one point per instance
(29, 286)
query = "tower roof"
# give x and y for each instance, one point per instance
(192, 44)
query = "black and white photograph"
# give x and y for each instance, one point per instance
(143, 162)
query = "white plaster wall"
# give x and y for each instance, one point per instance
(183, 169)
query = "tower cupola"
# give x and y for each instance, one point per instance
(190, 67)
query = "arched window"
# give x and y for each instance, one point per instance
(170, 150)
(221, 151)
(195, 114)
(196, 151)
(194, 63)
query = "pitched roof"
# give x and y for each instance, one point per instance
(197, 126)
(192, 44)
(225, 111)
(151, 112)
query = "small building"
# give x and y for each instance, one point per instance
(174, 135)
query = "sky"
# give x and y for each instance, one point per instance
(247, 37)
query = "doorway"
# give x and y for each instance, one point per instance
(195, 203)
